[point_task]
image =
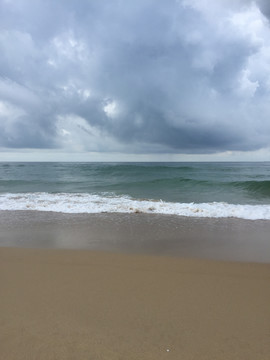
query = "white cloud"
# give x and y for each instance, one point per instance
(111, 108)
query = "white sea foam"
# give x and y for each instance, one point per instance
(88, 203)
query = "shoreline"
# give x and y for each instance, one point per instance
(86, 203)
(78, 304)
(227, 239)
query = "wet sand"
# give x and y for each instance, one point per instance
(115, 286)
(218, 239)
(79, 304)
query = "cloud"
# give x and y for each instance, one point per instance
(186, 76)
(264, 7)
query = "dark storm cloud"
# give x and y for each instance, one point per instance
(190, 76)
(264, 7)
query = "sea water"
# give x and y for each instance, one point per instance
(240, 190)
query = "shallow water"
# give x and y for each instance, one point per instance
(187, 189)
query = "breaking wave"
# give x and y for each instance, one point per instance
(110, 203)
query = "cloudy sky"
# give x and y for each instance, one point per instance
(134, 80)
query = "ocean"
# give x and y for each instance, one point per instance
(214, 190)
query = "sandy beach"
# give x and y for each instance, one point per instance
(133, 286)
(79, 304)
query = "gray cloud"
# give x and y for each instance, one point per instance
(186, 76)
(264, 7)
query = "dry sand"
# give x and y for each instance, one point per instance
(79, 304)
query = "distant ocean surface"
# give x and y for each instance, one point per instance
(240, 190)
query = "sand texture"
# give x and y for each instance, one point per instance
(69, 304)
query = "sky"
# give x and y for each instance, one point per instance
(144, 80)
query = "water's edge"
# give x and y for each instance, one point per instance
(220, 239)
(87, 203)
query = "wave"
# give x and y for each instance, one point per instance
(260, 188)
(255, 187)
(107, 202)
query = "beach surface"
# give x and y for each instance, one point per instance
(153, 234)
(133, 286)
(81, 304)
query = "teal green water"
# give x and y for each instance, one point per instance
(234, 183)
